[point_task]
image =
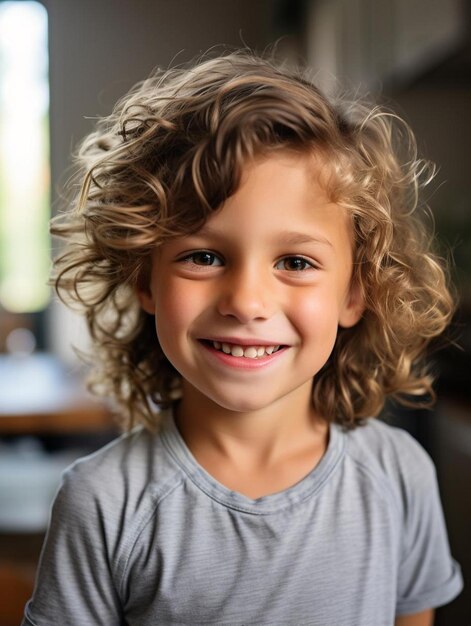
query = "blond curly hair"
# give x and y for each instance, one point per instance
(169, 155)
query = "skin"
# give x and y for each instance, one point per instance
(424, 618)
(272, 266)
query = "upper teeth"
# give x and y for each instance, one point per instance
(250, 352)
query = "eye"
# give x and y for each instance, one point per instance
(294, 264)
(202, 257)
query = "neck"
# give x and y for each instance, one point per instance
(262, 437)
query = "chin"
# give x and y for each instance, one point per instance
(239, 405)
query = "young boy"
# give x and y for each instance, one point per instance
(256, 282)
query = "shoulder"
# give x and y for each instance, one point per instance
(124, 476)
(387, 447)
(127, 452)
(392, 456)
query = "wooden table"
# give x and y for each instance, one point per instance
(39, 395)
(74, 418)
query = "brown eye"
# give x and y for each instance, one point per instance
(203, 258)
(294, 264)
(208, 259)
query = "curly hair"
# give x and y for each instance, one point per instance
(172, 152)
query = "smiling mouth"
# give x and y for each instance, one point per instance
(249, 352)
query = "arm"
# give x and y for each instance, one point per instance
(74, 583)
(428, 576)
(424, 618)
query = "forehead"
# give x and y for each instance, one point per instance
(284, 192)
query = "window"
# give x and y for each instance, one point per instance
(24, 157)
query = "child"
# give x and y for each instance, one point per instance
(256, 282)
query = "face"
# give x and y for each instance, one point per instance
(248, 308)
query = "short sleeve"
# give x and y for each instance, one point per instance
(428, 576)
(74, 584)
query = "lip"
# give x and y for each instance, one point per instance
(241, 362)
(239, 341)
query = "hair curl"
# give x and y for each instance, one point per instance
(169, 155)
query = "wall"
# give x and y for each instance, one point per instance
(98, 50)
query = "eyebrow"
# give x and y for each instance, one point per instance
(299, 238)
(285, 237)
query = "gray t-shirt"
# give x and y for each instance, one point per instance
(141, 534)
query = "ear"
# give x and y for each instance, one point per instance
(144, 295)
(143, 291)
(353, 307)
(146, 300)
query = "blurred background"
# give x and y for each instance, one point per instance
(62, 64)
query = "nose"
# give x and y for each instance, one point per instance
(246, 295)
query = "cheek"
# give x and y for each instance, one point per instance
(316, 320)
(171, 320)
(315, 312)
(170, 311)
(178, 304)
